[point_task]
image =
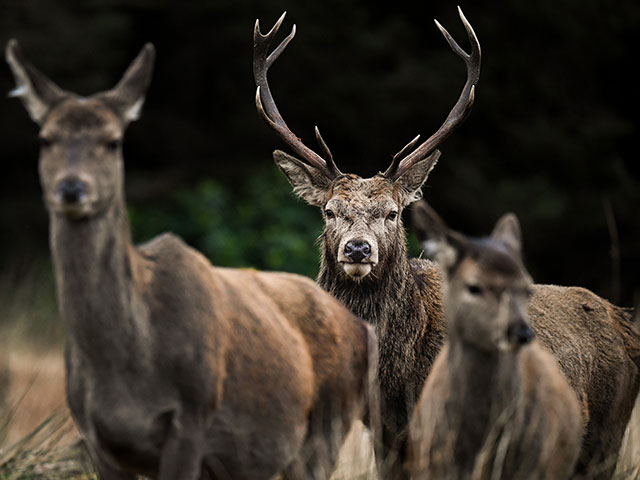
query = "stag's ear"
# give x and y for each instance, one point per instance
(127, 97)
(38, 94)
(308, 182)
(507, 230)
(411, 181)
(446, 246)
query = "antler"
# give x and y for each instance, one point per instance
(403, 160)
(262, 60)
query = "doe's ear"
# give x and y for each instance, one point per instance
(307, 182)
(507, 230)
(411, 181)
(436, 238)
(127, 97)
(427, 223)
(38, 94)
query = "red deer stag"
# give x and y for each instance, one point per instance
(177, 369)
(365, 264)
(495, 405)
(364, 254)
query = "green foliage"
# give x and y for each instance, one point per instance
(258, 225)
(30, 314)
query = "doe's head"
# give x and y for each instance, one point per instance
(80, 165)
(487, 286)
(362, 215)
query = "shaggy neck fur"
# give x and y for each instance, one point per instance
(404, 305)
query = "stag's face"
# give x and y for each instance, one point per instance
(362, 222)
(362, 215)
(81, 167)
(80, 158)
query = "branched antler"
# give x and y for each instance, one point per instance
(267, 109)
(403, 160)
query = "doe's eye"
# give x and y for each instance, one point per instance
(45, 142)
(329, 213)
(474, 289)
(113, 144)
(392, 215)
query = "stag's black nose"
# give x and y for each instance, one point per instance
(357, 250)
(71, 190)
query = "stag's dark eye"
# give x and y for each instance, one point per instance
(45, 142)
(329, 213)
(392, 215)
(474, 289)
(113, 144)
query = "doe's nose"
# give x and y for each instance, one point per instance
(72, 190)
(521, 333)
(357, 250)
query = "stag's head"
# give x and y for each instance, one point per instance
(81, 169)
(486, 285)
(362, 215)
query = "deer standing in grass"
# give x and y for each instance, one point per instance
(495, 405)
(176, 369)
(365, 264)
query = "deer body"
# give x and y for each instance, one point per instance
(496, 404)
(177, 369)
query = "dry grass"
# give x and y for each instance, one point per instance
(356, 460)
(44, 454)
(35, 390)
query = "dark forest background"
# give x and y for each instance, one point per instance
(552, 135)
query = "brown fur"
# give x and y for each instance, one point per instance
(492, 407)
(177, 369)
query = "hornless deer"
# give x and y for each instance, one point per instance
(365, 264)
(176, 369)
(598, 350)
(495, 404)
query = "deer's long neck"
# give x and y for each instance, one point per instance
(484, 387)
(93, 268)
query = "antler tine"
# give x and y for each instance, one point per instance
(265, 103)
(460, 110)
(331, 165)
(400, 155)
